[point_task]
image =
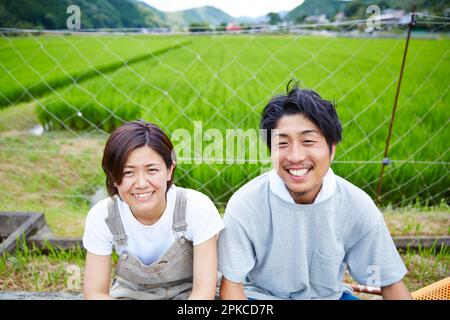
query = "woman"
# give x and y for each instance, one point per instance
(165, 236)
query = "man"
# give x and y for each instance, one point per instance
(291, 233)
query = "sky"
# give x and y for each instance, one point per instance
(236, 8)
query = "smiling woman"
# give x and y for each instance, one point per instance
(159, 230)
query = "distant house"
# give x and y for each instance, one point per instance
(317, 19)
(394, 16)
(232, 27)
(340, 16)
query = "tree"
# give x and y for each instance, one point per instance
(355, 9)
(274, 18)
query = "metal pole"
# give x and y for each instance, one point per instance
(386, 160)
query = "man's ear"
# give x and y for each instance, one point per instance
(333, 151)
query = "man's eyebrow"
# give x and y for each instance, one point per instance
(309, 131)
(281, 134)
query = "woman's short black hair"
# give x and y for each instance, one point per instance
(307, 102)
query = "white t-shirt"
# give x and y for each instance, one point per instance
(149, 243)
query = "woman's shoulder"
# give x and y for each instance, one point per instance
(195, 197)
(99, 210)
(199, 204)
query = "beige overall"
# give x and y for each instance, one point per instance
(168, 278)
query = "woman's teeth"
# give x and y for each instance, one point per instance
(143, 195)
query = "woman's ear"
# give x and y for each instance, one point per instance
(170, 170)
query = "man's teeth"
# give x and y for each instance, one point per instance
(298, 173)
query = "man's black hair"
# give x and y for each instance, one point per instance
(306, 102)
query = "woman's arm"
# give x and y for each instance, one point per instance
(205, 270)
(97, 277)
(396, 291)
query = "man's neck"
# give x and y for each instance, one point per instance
(306, 197)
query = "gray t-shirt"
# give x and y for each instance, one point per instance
(283, 250)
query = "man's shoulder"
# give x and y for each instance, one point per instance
(252, 188)
(352, 192)
(359, 204)
(251, 195)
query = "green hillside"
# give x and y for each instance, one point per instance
(356, 9)
(51, 14)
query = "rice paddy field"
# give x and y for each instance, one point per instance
(79, 88)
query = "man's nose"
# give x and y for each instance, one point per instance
(296, 154)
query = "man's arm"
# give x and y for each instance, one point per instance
(230, 290)
(396, 291)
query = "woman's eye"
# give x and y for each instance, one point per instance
(128, 173)
(152, 170)
(309, 141)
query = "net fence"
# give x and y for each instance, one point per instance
(63, 92)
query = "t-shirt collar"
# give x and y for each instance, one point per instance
(278, 187)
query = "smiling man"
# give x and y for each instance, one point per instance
(292, 232)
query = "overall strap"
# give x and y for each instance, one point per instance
(179, 215)
(114, 223)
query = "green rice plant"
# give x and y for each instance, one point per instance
(225, 81)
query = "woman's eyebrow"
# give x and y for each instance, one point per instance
(132, 167)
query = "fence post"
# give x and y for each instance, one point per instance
(385, 162)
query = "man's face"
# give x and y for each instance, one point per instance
(301, 156)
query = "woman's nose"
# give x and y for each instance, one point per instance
(141, 181)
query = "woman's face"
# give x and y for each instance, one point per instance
(144, 182)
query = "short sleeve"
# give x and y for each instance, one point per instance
(374, 260)
(97, 238)
(204, 221)
(235, 250)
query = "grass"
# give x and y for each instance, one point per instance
(53, 174)
(418, 222)
(42, 64)
(426, 266)
(28, 269)
(49, 269)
